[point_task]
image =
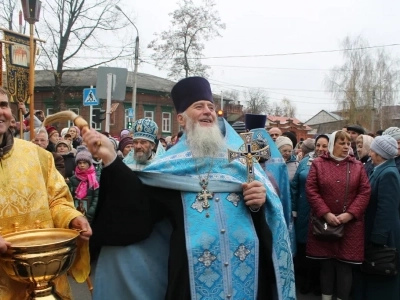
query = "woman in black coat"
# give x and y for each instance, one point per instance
(382, 220)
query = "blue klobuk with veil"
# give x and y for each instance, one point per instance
(221, 242)
(276, 165)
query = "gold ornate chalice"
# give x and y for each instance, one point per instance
(37, 257)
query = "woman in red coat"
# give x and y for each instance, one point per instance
(326, 193)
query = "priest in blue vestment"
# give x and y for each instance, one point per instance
(275, 166)
(229, 238)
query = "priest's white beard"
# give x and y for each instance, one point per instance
(204, 141)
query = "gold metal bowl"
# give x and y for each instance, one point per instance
(39, 256)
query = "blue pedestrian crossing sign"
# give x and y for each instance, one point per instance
(89, 97)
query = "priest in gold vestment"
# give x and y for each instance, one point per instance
(33, 194)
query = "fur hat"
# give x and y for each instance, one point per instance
(82, 153)
(190, 90)
(282, 141)
(65, 142)
(126, 140)
(394, 132)
(145, 129)
(239, 127)
(385, 146)
(356, 128)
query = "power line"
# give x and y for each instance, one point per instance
(300, 53)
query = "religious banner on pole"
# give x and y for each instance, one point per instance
(1, 64)
(17, 65)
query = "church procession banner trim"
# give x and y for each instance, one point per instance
(17, 65)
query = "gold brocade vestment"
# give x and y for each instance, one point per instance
(34, 194)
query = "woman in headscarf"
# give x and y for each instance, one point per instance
(338, 191)
(307, 271)
(382, 219)
(363, 144)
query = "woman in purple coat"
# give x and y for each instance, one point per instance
(326, 193)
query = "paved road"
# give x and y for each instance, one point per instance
(81, 292)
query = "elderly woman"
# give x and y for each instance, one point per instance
(363, 144)
(125, 146)
(338, 191)
(382, 220)
(394, 132)
(76, 138)
(285, 147)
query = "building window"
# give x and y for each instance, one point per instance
(149, 115)
(96, 126)
(49, 111)
(75, 110)
(166, 122)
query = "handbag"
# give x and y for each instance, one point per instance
(380, 260)
(322, 230)
(320, 227)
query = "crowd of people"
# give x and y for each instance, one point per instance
(176, 218)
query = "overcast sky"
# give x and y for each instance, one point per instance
(259, 27)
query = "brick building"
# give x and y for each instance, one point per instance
(289, 124)
(153, 100)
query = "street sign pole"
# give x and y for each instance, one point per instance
(90, 113)
(108, 105)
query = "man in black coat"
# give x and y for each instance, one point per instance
(217, 248)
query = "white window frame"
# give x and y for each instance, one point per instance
(49, 111)
(146, 112)
(95, 126)
(166, 122)
(75, 110)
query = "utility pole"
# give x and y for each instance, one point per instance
(373, 112)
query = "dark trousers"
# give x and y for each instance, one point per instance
(340, 272)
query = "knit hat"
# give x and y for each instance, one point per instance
(126, 140)
(282, 141)
(51, 130)
(308, 145)
(385, 146)
(356, 128)
(394, 132)
(190, 90)
(82, 153)
(78, 131)
(145, 129)
(65, 142)
(124, 132)
(64, 131)
(239, 127)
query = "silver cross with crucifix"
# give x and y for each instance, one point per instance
(249, 154)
